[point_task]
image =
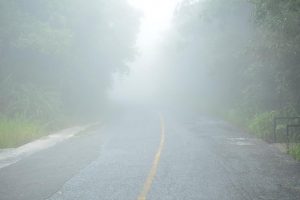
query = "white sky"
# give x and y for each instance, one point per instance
(142, 82)
(157, 17)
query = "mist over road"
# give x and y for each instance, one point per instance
(138, 155)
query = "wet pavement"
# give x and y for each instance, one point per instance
(200, 158)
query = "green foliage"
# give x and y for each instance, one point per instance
(61, 54)
(241, 57)
(30, 101)
(278, 47)
(57, 61)
(17, 131)
(253, 60)
(295, 151)
(262, 125)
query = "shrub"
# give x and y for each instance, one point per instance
(295, 151)
(262, 125)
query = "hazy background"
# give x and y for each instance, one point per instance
(141, 84)
(63, 61)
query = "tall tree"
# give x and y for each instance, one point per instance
(69, 48)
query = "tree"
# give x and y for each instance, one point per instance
(237, 54)
(67, 47)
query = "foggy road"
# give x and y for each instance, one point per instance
(140, 154)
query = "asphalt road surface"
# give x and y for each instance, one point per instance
(140, 155)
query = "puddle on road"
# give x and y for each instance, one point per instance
(240, 141)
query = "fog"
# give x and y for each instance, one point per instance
(173, 65)
(142, 83)
(149, 99)
(72, 58)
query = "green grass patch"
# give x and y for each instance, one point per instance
(17, 131)
(295, 151)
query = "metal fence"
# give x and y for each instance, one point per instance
(290, 123)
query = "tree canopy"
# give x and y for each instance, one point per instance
(236, 54)
(60, 54)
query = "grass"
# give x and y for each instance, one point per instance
(262, 125)
(295, 151)
(17, 131)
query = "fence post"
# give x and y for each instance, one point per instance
(287, 139)
(274, 129)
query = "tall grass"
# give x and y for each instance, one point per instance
(262, 125)
(295, 151)
(17, 131)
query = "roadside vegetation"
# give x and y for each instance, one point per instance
(295, 151)
(239, 59)
(57, 61)
(18, 131)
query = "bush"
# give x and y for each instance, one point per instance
(295, 151)
(30, 101)
(262, 125)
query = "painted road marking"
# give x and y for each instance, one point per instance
(150, 178)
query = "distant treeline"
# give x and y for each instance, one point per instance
(58, 56)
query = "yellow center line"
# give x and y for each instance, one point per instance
(150, 178)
